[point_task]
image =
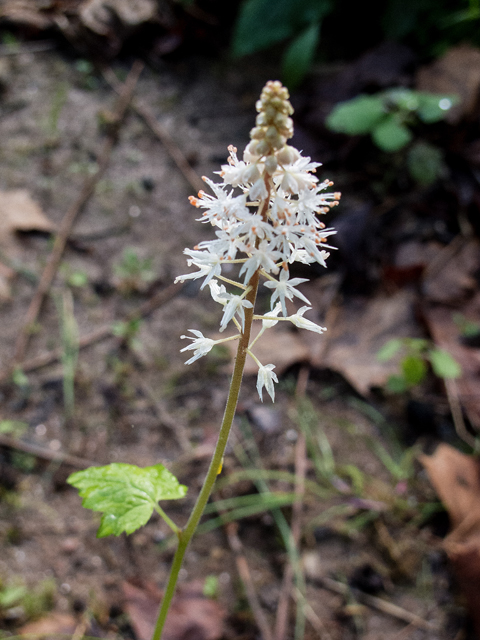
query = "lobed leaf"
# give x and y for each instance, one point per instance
(125, 493)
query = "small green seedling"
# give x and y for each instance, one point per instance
(418, 354)
(133, 274)
(128, 332)
(388, 117)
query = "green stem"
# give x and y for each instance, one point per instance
(185, 535)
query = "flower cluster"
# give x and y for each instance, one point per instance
(266, 217)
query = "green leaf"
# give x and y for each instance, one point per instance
(262, 23)
(299, 55)
(443, 365)
(425, 163)
(389, 349)
(14, 427)
(391, 135)
(10, 596)
(414, 369)
(358, 116)
(433, 108)
(397, 384)
(126, 494)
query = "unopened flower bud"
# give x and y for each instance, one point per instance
(257, 133)
(271, 164)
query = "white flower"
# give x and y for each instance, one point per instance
(268, 324)
(218, 292)
(298, 176)
(284, 288)
(200, 345)
(209, 263)
(234, 305)
(303, 323)
(266, 378)
(262, 257)
(258, 191)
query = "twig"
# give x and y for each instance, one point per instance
(457, 415)
(162, 134)
(378, 603)
(281, 623)
(99, 334)
(45, 454)
(245, 575)
(27, 47)
(69, 218)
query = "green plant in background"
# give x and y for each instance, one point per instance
(127, 331)
(262, 23)
(388, 117)
(133, 273)
(418, 354)
(70, 347)
(429, 26)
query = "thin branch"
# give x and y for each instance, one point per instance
(68, 220)
(49, 357)
(45, 454)
(378, 603)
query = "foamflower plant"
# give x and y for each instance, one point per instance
(265, 212)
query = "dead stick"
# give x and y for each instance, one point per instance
(68, 220)
(45, 454)
(49, 357)
(281, 623)
(246, 577)
(378, 603)
(162, 134)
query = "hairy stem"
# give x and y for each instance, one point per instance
(186, 534)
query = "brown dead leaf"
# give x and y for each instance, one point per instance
(456, 479)
(191, 615)
(103, 16)
(450, 276)
(18, 212)
(54, 623)
(445, 333)
(361, 327)
(457, 72)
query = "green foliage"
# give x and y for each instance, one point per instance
(133, 272)
(126, 494)
(387, 116)
(128, 331)
(262, 23)
(418, 353)
(425, 163)
(467, 328)
(298, 57)
(13, 427)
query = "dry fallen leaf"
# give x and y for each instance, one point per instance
(52, 624)
(457, 72)
(361, 327)
(191, 615)
(19, 212)
(456, 479)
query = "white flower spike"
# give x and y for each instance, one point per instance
(266, 215)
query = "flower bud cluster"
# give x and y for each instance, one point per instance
(269, 223)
